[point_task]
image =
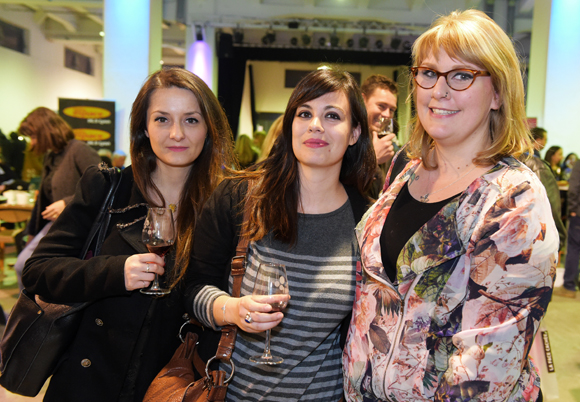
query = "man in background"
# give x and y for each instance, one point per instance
(540, 138)
(380, 95)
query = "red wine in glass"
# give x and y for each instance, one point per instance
(158, 235)
(160, 250)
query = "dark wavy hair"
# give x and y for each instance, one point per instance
(272, 203)
(214, 161)
(49, 129)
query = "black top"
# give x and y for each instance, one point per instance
(406, 217)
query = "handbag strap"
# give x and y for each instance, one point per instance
(99, 228)
(238, 269)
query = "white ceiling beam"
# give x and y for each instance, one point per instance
(310, 3)
(363, 4)
(415, 4)
(57, 3)
(66, 24)
(83, 11)
(39, 17)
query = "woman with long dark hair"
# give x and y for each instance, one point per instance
(302, 204)
(181, 144)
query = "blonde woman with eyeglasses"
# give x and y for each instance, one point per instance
(458, 254)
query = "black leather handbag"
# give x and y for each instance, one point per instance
(38, 332)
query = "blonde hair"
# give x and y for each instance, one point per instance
(475, 38)
(273, 133)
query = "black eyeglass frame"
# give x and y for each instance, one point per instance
(476, 73)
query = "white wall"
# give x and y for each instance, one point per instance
(39, 78)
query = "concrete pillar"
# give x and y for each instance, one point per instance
(562, 104)
(132, 29)
(537, 69)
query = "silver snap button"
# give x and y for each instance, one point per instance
(86, 363)
(99, 322)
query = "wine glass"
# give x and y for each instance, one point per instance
(158, 235)
(388, 127)
(271, 280)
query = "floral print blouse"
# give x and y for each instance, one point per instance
(472, 286)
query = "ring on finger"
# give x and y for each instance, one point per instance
(147, 267)
(248, 318)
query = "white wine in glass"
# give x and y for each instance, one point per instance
(271, 280)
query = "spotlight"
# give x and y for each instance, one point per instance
(322, 41)
(198, 32)
(269, 38)
(238, 36)
(363, 41)
(294, 41)
(407, 45)
(293, 25)
(379, 44)
(306, 39)
(395, 43)
(334, 40)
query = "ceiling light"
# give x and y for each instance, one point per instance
(238, 36)
(269, 38)
(294, 41)
(395, 43)
(334, 40)
(306, 39)
(322, 41)
(350, 42)
(379, 44)
(363, 41)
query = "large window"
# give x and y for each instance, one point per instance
(13, 37)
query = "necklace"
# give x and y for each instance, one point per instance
(425, 198)
(173, 207)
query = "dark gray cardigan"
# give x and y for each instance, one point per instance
(68, 167)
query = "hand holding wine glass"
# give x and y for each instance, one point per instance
(271, 281)
(158, 235)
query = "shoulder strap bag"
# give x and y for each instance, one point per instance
(38, 332)
(176, 381)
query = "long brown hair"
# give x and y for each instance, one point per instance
(206, 172)
(49, 129)
(272, 203)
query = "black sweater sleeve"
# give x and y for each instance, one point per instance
(55, 270)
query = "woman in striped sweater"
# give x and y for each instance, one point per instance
(303, 203)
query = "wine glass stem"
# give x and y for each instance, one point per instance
(155, 283)
(267, 346)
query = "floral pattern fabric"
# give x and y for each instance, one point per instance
(472, 286)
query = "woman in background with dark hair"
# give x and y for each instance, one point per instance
(65, 160)
(554, 156)
(180, 143)
(303, 203)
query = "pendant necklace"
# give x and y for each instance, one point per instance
(425, 198)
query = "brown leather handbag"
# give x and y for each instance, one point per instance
(176, 381)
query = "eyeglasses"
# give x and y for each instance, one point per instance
(458, 80)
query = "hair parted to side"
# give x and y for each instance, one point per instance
(206, 172)
(49, 129)
(551, 152)
(378, 81)
(473, 37)
(273, 201)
